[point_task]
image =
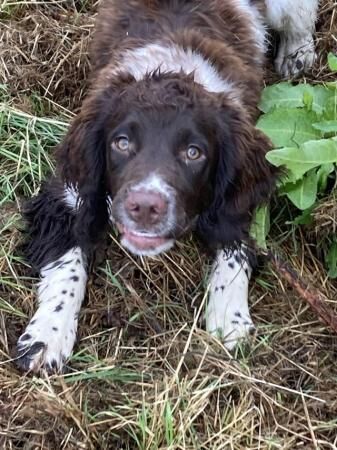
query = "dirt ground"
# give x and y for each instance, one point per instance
(145, 375)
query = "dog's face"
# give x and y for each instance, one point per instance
(169, 156)
(160, 162)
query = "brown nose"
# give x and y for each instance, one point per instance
(146, 207)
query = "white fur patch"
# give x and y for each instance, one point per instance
(71, 197)
(227, 314)
(50, 336)
(154, 183)
(173, 58)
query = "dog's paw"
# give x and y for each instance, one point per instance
(44, 346)
(295, 56)
(232, 328)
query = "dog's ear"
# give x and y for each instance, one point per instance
(81, 166)
(243, 180)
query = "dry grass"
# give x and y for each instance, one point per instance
(145, 375)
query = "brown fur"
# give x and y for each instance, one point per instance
(237, 177)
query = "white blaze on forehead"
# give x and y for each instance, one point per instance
(173, 58)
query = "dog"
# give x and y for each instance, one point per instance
(164, 143)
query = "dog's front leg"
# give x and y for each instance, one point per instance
(54, 249)
(227, 314)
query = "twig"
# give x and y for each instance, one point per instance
(310, 294)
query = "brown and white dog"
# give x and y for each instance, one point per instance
(164, 143)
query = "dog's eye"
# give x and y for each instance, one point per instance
(121, 144)
(193, 152)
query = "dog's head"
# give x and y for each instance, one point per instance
(165, 156)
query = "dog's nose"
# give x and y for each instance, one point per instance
(146, 207)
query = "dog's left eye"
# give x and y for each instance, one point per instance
(121, 144)
(193, 152)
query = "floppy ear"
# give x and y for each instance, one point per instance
(244, 179)
(81, 165)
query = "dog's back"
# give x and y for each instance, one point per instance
(228, 33)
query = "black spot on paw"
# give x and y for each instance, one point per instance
(25, 337)
(252, 330)
(32, 322)
(59, 307)
(72, 294)
(235, 322)
(222, 287)
(231, 265)
(56, 264)
(238, 258)
(64, 291)
(237, 314)
(74, 278)
(72, 270)
(55, 329)
(299, 64)
(78, 261)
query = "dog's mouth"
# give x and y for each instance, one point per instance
(144, 243)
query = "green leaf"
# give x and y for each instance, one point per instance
(332, 62)
(282, 95)
(322, 176)
(330, 110)
(303, 193)
(331, 260)
(261, 226)
(289, 127)
(326, 126)
(285, 95)
(299, 160)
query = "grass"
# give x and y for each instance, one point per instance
(145, 374)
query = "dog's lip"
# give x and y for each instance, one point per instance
(142, 241)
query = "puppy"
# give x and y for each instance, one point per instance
(164, 143)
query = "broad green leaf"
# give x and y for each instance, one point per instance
(321, 96)
(332, 62)
(326, 126)
(289, 127)
(261, 226)
(322, 176)
(282, 95)
(303, 193)
(331, 260)
(299, 160)
(288, 96)
(330, 110)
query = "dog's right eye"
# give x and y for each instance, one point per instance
(121, 144)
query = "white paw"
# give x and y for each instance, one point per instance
(227, 314)
(50, 336)
(46, 344)
(231, 328)
(295, 56)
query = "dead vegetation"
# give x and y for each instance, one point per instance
(144, 374)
